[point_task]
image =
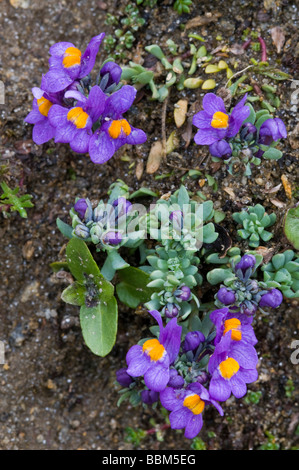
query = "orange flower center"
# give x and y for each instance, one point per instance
(228, 368)
(44, 106)
(78, 117)
(233, 325)
(119, 126)
(194, 403)
(154, 349)
(71, 57)
(219, 120)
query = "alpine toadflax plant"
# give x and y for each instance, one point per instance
(70, 109)
(241, 135)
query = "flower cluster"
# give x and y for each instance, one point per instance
(68, 108)
(241, 134)
(173, 369)
(245, 294)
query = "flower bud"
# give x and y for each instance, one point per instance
(225, 296)
(246, 262)
(193, 340)
(248, 308)
(114, 72)
(220, 149)
(149, 397)
(248, 132)
(171, 310)
(80, 207)
(123, 206)
(123, 378)
(271, 130)
(202, 378)
(112, 238)
(81, 231)
(175, 380)
(273, 299)
(184, 293)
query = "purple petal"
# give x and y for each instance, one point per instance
(56, 80)
(157, 316)
(80, 142)
(156, 377)
(136, 137)
(59, 48)
(65, 134)
(89, 57)
(138, 363)
(34, 116)
(43, 132)
(120, 101)
(209, 136)
(202, 120)
(238, 386)
(96, 103)
(219, 388)
(58, 115)
(179, 418)
(193, 425)
(101, 147)
(248, 375)
(244, 354)
(236, 120)
(170, 337)
(213, 103)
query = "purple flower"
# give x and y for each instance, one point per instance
(123, 378)
(171, 311)
(220, 149)
(238, 326)
(215, 123)
(113, 72)
(246, 262)
(43, 131)
(175, 380)
(232, 366)
(183, 293)
(74, 125)
(187, 406)
(123, 206)
(152, 360)
(115, 130)
(68, 64)
(225, 296)
(271, 130)
(112, 238)
(80, 207)
(273, 299)
(149, 397)
(193, 340)
(248, 131)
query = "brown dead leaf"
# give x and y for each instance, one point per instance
(180, 112)
(202, 20)
(139, 169)
(230, 191)
(278, 37)
(277, 203)
(20, 3)
(275, 189)
(155, 157)
(266, 253)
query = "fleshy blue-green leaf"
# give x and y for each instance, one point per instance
(291, 226)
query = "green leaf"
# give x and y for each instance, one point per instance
(218, 275)
(143, 192)
(74, 294)
(252, 116)
(272, 154)
(183, 196)
(291, 226)
(64, 228)
(99, 326)
(85, 270)
(133, 290)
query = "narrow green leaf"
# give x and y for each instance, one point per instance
(64, 228)
(291, 226)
